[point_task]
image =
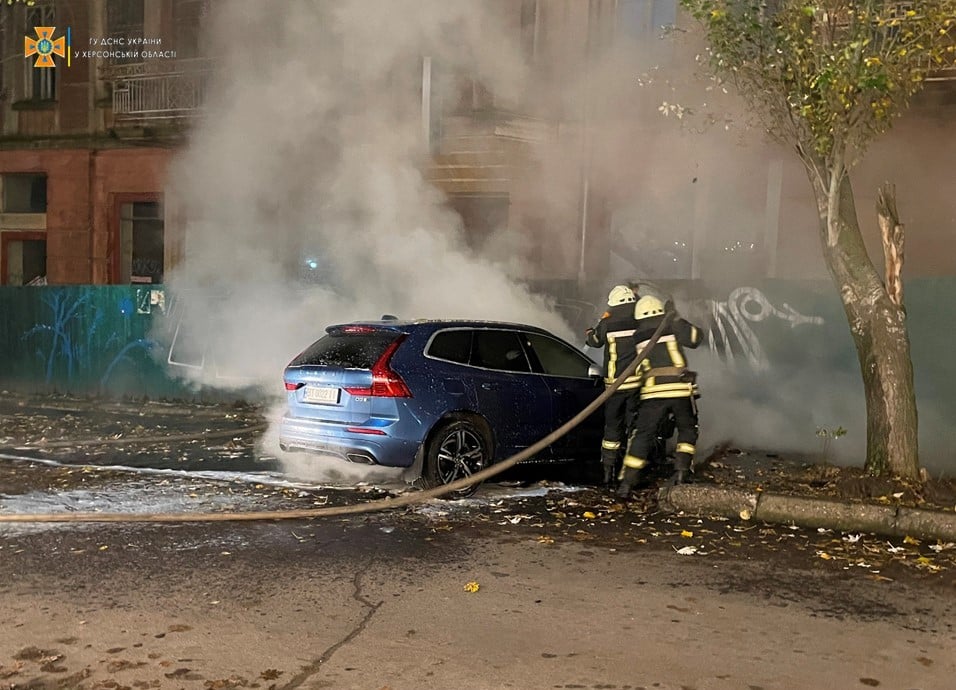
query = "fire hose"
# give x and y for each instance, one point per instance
(370, 506)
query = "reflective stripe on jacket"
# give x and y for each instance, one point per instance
(664, 371)
(615, 333)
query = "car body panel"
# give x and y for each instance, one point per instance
(520, 407)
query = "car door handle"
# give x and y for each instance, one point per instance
(454, 387)
(489, 386)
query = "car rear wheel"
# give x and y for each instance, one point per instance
(457, 449)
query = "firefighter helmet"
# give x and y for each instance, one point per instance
(647, 306)
(620, 294)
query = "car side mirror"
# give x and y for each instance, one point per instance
(594, 371)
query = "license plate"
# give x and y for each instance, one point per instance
(322, 394)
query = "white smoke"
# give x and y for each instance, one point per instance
(312, 147)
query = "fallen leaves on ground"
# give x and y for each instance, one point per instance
(231, 682)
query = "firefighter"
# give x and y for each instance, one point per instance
(668, 386)
(615, 333)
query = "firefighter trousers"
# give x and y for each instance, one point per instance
(649, 416)
(620, 410)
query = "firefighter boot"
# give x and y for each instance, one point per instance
(628, 478)
(609, 461)
(681, 467)
(609, 475)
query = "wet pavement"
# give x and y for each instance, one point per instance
(71, 455)
(517, 587)
(380, 600)
(146, 435)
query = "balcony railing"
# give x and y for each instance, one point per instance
(142, 92)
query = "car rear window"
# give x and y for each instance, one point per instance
(452, 346)
(347, 350)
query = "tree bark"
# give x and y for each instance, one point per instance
(879, 330)
(891, 232)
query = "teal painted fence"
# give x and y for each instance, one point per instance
(86, 340)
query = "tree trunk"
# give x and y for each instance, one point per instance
(879, 332)
(891, 232)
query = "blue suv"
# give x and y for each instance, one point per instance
(455, 396)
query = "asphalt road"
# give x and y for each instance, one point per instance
(574, 588)
(563, 601)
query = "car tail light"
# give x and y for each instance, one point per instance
(290, 386)
(365, 430)
(357, 329)
(385, 382)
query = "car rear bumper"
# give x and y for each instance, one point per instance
(333, 439)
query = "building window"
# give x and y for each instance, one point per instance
(24, 259)
(124, 19)
(188, 20)
(40, 81)
(142, 246)
(24, 193)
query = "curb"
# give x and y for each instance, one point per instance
(892, 521)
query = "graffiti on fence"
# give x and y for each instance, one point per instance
(731, 332)
(62, 345)
(728, 325)
(82, 339)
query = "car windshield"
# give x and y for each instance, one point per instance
(347, 350)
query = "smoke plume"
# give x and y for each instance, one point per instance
(306, 169)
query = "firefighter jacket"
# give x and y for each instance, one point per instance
(664, 371)
(615, 333)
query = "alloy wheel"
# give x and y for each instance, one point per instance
(460, 454)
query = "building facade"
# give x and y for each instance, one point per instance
(85, 146)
